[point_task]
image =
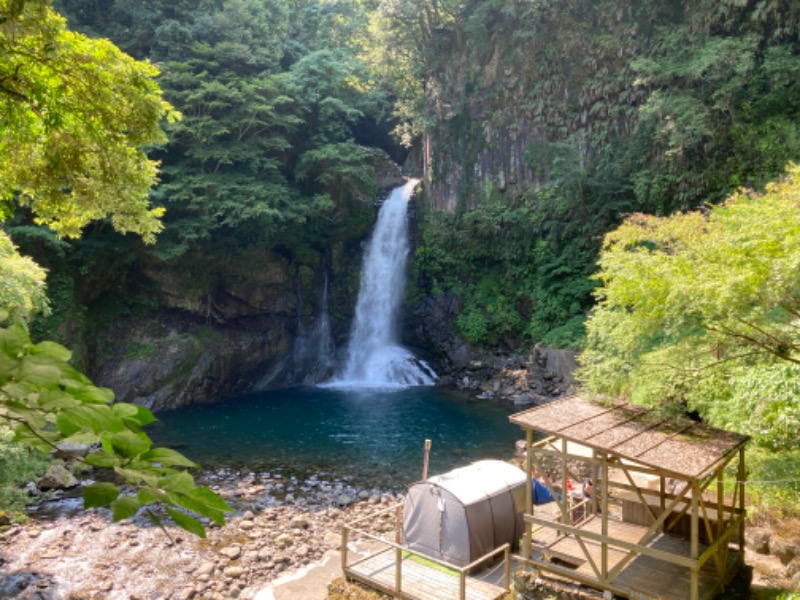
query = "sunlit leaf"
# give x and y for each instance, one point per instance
(124, 507)
(99, 494)
(188, 523)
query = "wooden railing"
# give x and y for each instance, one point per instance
(402, 552)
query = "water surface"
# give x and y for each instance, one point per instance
(374, 436)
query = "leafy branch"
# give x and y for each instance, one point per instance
(48, 403)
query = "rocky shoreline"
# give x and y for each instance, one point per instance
(280, 524)
(518, 380)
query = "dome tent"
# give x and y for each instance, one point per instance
(466, 513)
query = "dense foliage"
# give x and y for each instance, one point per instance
(700, 310)
(76, 114)
(49, 404)
(271, 95)
(538, 126)
(547, 122)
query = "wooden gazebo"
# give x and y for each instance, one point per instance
(666, 516)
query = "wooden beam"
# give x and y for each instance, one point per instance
(571, 574)
(398, 538)
(694, 541)
(559, 454)
(741, 477)
(721, 539)
(676, 559)
(645, 537)
(639, 493)
(526, 543)
(345, 530)
(604, 517)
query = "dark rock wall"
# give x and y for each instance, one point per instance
(229, 326)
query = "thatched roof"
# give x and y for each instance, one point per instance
(680, 447)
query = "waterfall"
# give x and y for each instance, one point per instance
(374, 356)
(313, 356)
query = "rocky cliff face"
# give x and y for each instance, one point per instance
(518, 379)
(238, 323)
(525, 91)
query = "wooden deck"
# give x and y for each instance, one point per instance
(419, 581)
(644, 576)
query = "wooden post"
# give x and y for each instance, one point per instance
(663, 498)
(720, 501)
(398, 573)
(596, 483)
(425, 460)
(507, 558)
(721, 557)
(694, 583)
(344, 549)
(566, 495)
(462, 586)
(398, 569)
(604, 520)
(526, 543)
(741, 475)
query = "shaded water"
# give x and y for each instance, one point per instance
(376, 437)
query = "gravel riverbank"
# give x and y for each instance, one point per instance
(281, 524)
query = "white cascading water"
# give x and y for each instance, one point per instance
(374, 356)
(313, 356)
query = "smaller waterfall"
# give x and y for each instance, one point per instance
(313, 357)
(374, 356)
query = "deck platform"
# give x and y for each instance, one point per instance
(648, 577)
(419, 581)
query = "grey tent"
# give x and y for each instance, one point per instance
(466, 513)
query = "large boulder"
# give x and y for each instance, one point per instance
(57, 478)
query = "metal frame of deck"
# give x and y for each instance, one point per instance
(622, 557)
(393, 570)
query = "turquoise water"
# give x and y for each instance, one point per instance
(371, 436)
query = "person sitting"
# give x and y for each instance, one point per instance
(541, 493)
(587, 488)
(588, 492)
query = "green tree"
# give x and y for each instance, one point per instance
(22, 282)
(700, 311)
(76, 115)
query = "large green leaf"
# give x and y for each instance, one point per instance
(13, 341)
(57, 351)
(137, 476)
(206, 496)
(125, 507)
(99, 494)
(181, 482)
(53, 400)
(186, 522)
(39, 371)
(147, 495)
(92, 394)
(193, 505)
(102, 458)
(167, 457)
(129, 444)
(133, 415)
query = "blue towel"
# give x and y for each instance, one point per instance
(541, 495)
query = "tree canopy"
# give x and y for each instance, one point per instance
(701, 311)
(76, 116)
